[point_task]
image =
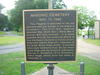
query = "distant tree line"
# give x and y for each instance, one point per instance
(3, 19)
(16, 13)
(4, 22)
(15, 21)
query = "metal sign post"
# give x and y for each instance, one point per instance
(82, 68)
(50, 35)
(50, 68)
(23, 68)
(50, 4)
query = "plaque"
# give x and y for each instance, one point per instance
(50, 35)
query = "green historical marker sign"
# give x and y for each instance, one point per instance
(50, 35)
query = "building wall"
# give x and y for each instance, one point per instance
(97, 29)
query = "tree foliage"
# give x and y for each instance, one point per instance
(85, 17)
(58, 4)
(3, 18)
(3, 21)
(16, 13)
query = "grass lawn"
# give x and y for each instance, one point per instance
(92, 67)
(93, 41)
(17, 33)
(5, 40)
(10, 64)
(2, 33)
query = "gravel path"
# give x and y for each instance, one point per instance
(11, 48)
(57, 71)
(89, 50)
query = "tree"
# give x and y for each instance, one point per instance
(3, 21)
(3, 18)
(16, 13)
(85, 17)
(58, 4)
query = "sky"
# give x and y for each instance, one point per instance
(8, 4)
(92, 5)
